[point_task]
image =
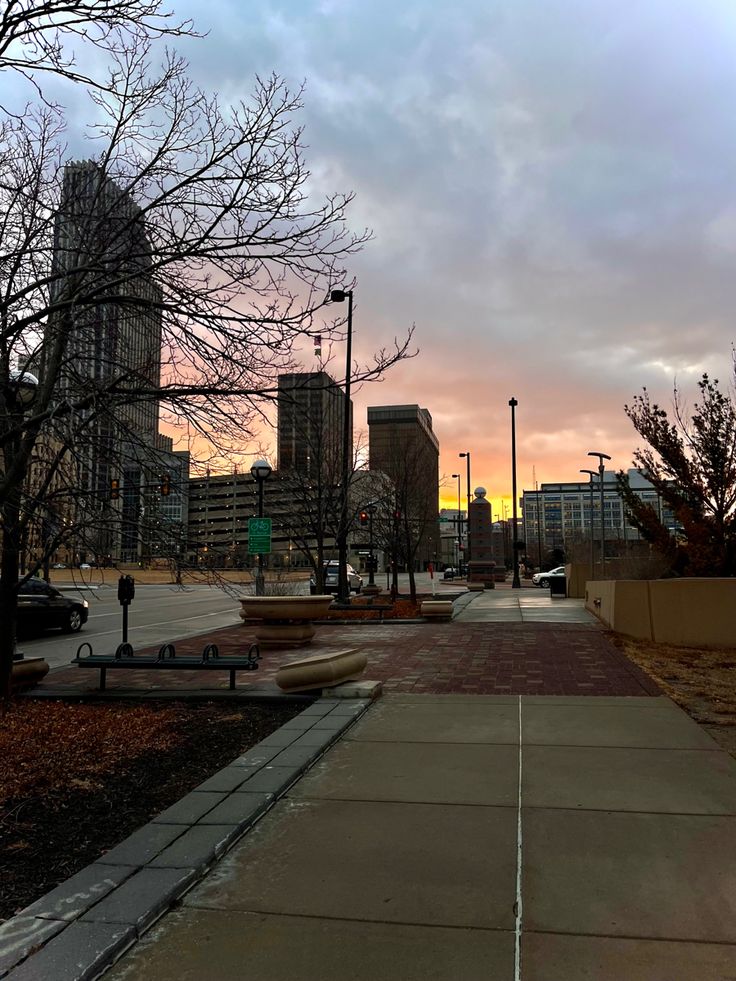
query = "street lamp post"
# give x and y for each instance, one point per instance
(371, 509)
(601, 472)
(260, 472)
(456, 476)
(516, 582)
(593, 474)
(343, 590)
(466, 455)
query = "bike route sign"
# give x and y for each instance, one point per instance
(259, 536)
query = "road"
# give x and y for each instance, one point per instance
(156, 615)
(159, 613)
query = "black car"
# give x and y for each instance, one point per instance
(41, 605)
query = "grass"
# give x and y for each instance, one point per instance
(702, 681)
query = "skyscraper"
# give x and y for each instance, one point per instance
(311, 408)
(109, 321)
(403, 445)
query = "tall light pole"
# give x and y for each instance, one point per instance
(466, 456)
(456, 476)
(516, 582)
(601, 472)
(260, 472)
(343, 590)
(593, 475)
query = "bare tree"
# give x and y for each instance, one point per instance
(191, 223)
(38, 38)
(410, 519)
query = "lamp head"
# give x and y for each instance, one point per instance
(455, 476)
(338, 296)
(261, 470)
(25, 385)
(463, 455)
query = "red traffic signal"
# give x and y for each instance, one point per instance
(114, 490)
(364, 517)
(165, 485)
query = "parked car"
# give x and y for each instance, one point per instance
(543, 578)
(355, 580)
(41, 605)
(59, 565)
(449, 573)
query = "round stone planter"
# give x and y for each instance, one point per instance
(28, 672)
(285, 621)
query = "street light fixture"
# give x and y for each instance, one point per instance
(466, 456)
(456, 476)
(601, 472)
(516, 582)
(260, 472)
(343, 589)
(593, 475)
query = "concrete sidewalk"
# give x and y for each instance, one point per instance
(479, 837)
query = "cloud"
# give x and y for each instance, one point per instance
(551, 190)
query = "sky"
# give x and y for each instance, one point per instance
(551, 186)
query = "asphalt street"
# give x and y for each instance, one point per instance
(156, 615)
(159, 613)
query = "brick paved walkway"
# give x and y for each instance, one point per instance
(468, 658)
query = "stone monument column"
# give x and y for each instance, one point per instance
(480, 527)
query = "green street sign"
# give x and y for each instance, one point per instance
(259, 536)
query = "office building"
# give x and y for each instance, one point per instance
(558, 515)
(311, 407)
(101, 248)
(402, 444)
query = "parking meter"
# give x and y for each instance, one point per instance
(126, 594)
(126, 589)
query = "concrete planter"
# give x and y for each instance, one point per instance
(436, 609)
(322, 671)
(28, 672)
(285, 621)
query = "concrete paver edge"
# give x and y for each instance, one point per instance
(17, 933)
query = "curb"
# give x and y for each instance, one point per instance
(82, 927)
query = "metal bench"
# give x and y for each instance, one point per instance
(125, 657)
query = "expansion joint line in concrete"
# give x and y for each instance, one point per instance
(519, 839)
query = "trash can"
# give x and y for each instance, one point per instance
(558, 586)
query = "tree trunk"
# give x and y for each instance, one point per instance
(9, 590)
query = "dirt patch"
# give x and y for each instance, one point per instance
(78, 779)
(702, 682)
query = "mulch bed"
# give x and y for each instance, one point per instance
(362, 609)
(78, 779)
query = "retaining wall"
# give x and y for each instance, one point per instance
(683, 612)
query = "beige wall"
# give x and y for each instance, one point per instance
(683, 612)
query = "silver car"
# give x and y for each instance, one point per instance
(355, 581)
(543, 578)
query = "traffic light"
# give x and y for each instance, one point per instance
(165, 485)
(364, 517)
(114, 490)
